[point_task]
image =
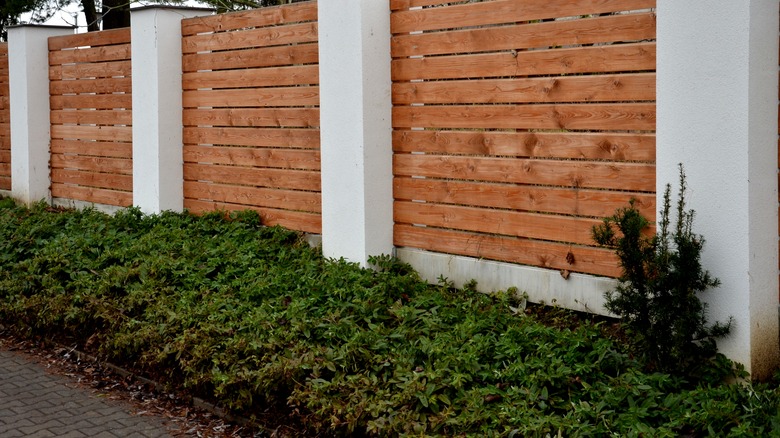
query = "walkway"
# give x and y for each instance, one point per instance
(34, 403)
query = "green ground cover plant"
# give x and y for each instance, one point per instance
(253, 318)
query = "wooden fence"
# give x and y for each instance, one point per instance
(91, 117)
(251, 114)
(518, 125)
(5, 121)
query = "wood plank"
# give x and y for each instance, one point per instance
(577, 145)
(97, 101)
(624, 116)
(90, 71)
(92, 117)
(92, 194)
(5, 182)
(255, 196)
(265, 177)
(256, 137)
(269, 16)
(93, 179)
(252, 58)
(501, 222)
(575, 174)
(273, 118)
(622, 28)
(5, 168)
(255, 97)
(239, 117)
(505, 11)
(293, 220)
(256, 77)
(251, 37)
(550, 255)
(5, 156)
(609, 88)
(81, 132)
(92, 164)
(580, 202)
(91, 54)
(301, 159)
(94, 148)
(98, 86)
(92, 39)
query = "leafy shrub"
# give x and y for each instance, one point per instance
(658, 291)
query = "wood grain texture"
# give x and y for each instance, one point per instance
(96, 86)
(258, 97)
(503, 11)
(239, 117)
(93, 70)
(253, 77)
(92, 194)
(248, 38)
(252, 58)
(253, 157)
(90, 54)
(257, 137)
(96, 101)
(623, 27)
(91, 117)
(575, 174)
(90, 39)
(86, 132)
(269, 16)
(550, 255)
(5, 119)
(258, 177)
(93, 179)
(255, 196)
(106, 149)
(92, 164)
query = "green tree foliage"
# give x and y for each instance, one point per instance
(658, 291)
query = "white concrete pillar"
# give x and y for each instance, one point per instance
(356, 129)
(28, 65)
(158, 182)
(717, 114)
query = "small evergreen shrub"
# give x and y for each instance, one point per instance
(658, 292)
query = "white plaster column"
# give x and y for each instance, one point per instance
(158, 182)
(717, 114)
(28, 65)
(356, 129)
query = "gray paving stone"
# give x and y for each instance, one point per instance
(34, 403)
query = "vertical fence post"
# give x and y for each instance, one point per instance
(158, 182)
(717, 115)
(28, 70)
(355, 129)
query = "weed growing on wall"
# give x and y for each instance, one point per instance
(658, 294)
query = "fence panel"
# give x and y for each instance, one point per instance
(91, 117)
(519, 124)
(5, 121)
(251, 114)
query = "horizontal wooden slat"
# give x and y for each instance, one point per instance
(90, 117)
(505, 11)
(610, 88)
(5, 182)
(79, 132)
(92, 164)
(579, 174)
(95, 148)
(93, 179)
(250, 38)
(98, 86)
(265, 177)
(624, 116)
(523, 251)
(577, 145)
(504, 222)
(581, 202)
(293, 220)
(259, 197)
(257, 97)
(93, 39)
(5, 168)
(92, 194)
(5, 156)
(246, 117)
(259, 137)
(270, 16)
(98, 101)
(250, 58)
(90, 71)
(92, 54)
(253, 157)
(598, 59)
(258, 77)
(628, 27)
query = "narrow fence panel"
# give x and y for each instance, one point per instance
(91, 117)
(251, 114)
(518, 125)
(5, 121)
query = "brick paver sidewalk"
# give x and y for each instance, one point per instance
(34, 403)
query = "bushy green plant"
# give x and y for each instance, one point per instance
(658, 294)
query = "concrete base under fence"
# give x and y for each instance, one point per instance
(80, 205)
(579, 292)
